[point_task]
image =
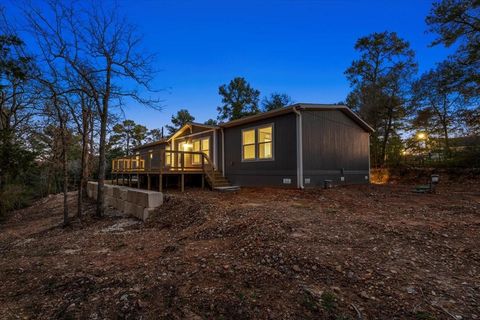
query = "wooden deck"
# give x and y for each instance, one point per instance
(166, 163)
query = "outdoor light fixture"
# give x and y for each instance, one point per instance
(434, 179)
(187, 146)
(421, 136)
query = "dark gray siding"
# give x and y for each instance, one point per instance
(263, 172)
(333, 146)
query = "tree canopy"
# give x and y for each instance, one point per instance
(458, 22)
(178, 120)
(239, 100)
(127, 134)
(380, 79)
(276, 101)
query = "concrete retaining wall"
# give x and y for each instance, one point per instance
(135, 202)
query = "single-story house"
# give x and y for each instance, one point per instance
(300, 146)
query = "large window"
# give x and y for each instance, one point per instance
(257, 143)
(265, 143)
(168, 156)
(248, 144)
(201, 145)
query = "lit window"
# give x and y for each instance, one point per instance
(196, 148)
(265, 143)
(248, 144)
(206, 146)
(168, 156)
(257, 144)
(201, 145)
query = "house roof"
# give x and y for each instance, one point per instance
(265, 115)
(189, 125)
(299, 106)
(150, 144)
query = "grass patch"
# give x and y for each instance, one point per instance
(328, 300)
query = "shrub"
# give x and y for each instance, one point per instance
(13, 197)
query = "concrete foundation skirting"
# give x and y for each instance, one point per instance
(135, 202)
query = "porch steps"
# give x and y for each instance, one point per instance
(220, 183)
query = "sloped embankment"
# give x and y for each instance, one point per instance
(375, 251)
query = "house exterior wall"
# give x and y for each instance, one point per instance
(151, 163)
(333, 146)
(198, 134)
(263, 172)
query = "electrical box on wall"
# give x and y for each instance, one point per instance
(287, 181)
(342, 178)
(307, 181)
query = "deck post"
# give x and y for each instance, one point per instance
(148, 182)
(203, 181)
(123, 179)
(129, 180)
(160, 182)
(138, 181)
(183, 182)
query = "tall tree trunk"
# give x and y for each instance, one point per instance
(386, 136)
(63, 135)
(128, 144)
(64, 166)
(92, 147)
(446, 138)
(84, 161)
(103, 137)
(65, 177)
(101, 165)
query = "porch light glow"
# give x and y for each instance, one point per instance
(421, 136)
(187, 146)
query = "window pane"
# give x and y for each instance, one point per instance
(248, 137)
(249, 152)
(265, 150)
(205, 145)
(196, 158)
(196, 145)
(168, 155)
(265, 134)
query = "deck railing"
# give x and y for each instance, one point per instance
(164, 161)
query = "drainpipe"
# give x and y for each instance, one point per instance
(299, 149)
(223, 153)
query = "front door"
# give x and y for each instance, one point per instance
(185, 146)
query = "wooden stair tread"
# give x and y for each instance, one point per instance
(218, 182)
(227, 188)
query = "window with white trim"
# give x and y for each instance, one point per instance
(200, 145)
(265, 150)
(257, 143)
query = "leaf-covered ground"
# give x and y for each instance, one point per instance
(370, 252)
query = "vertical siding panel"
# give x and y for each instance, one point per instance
(332, 142)
(263, 172)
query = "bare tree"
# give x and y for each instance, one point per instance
(104, 51)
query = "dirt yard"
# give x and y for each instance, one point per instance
(358, 252)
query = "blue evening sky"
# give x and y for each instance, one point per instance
(298, 47)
